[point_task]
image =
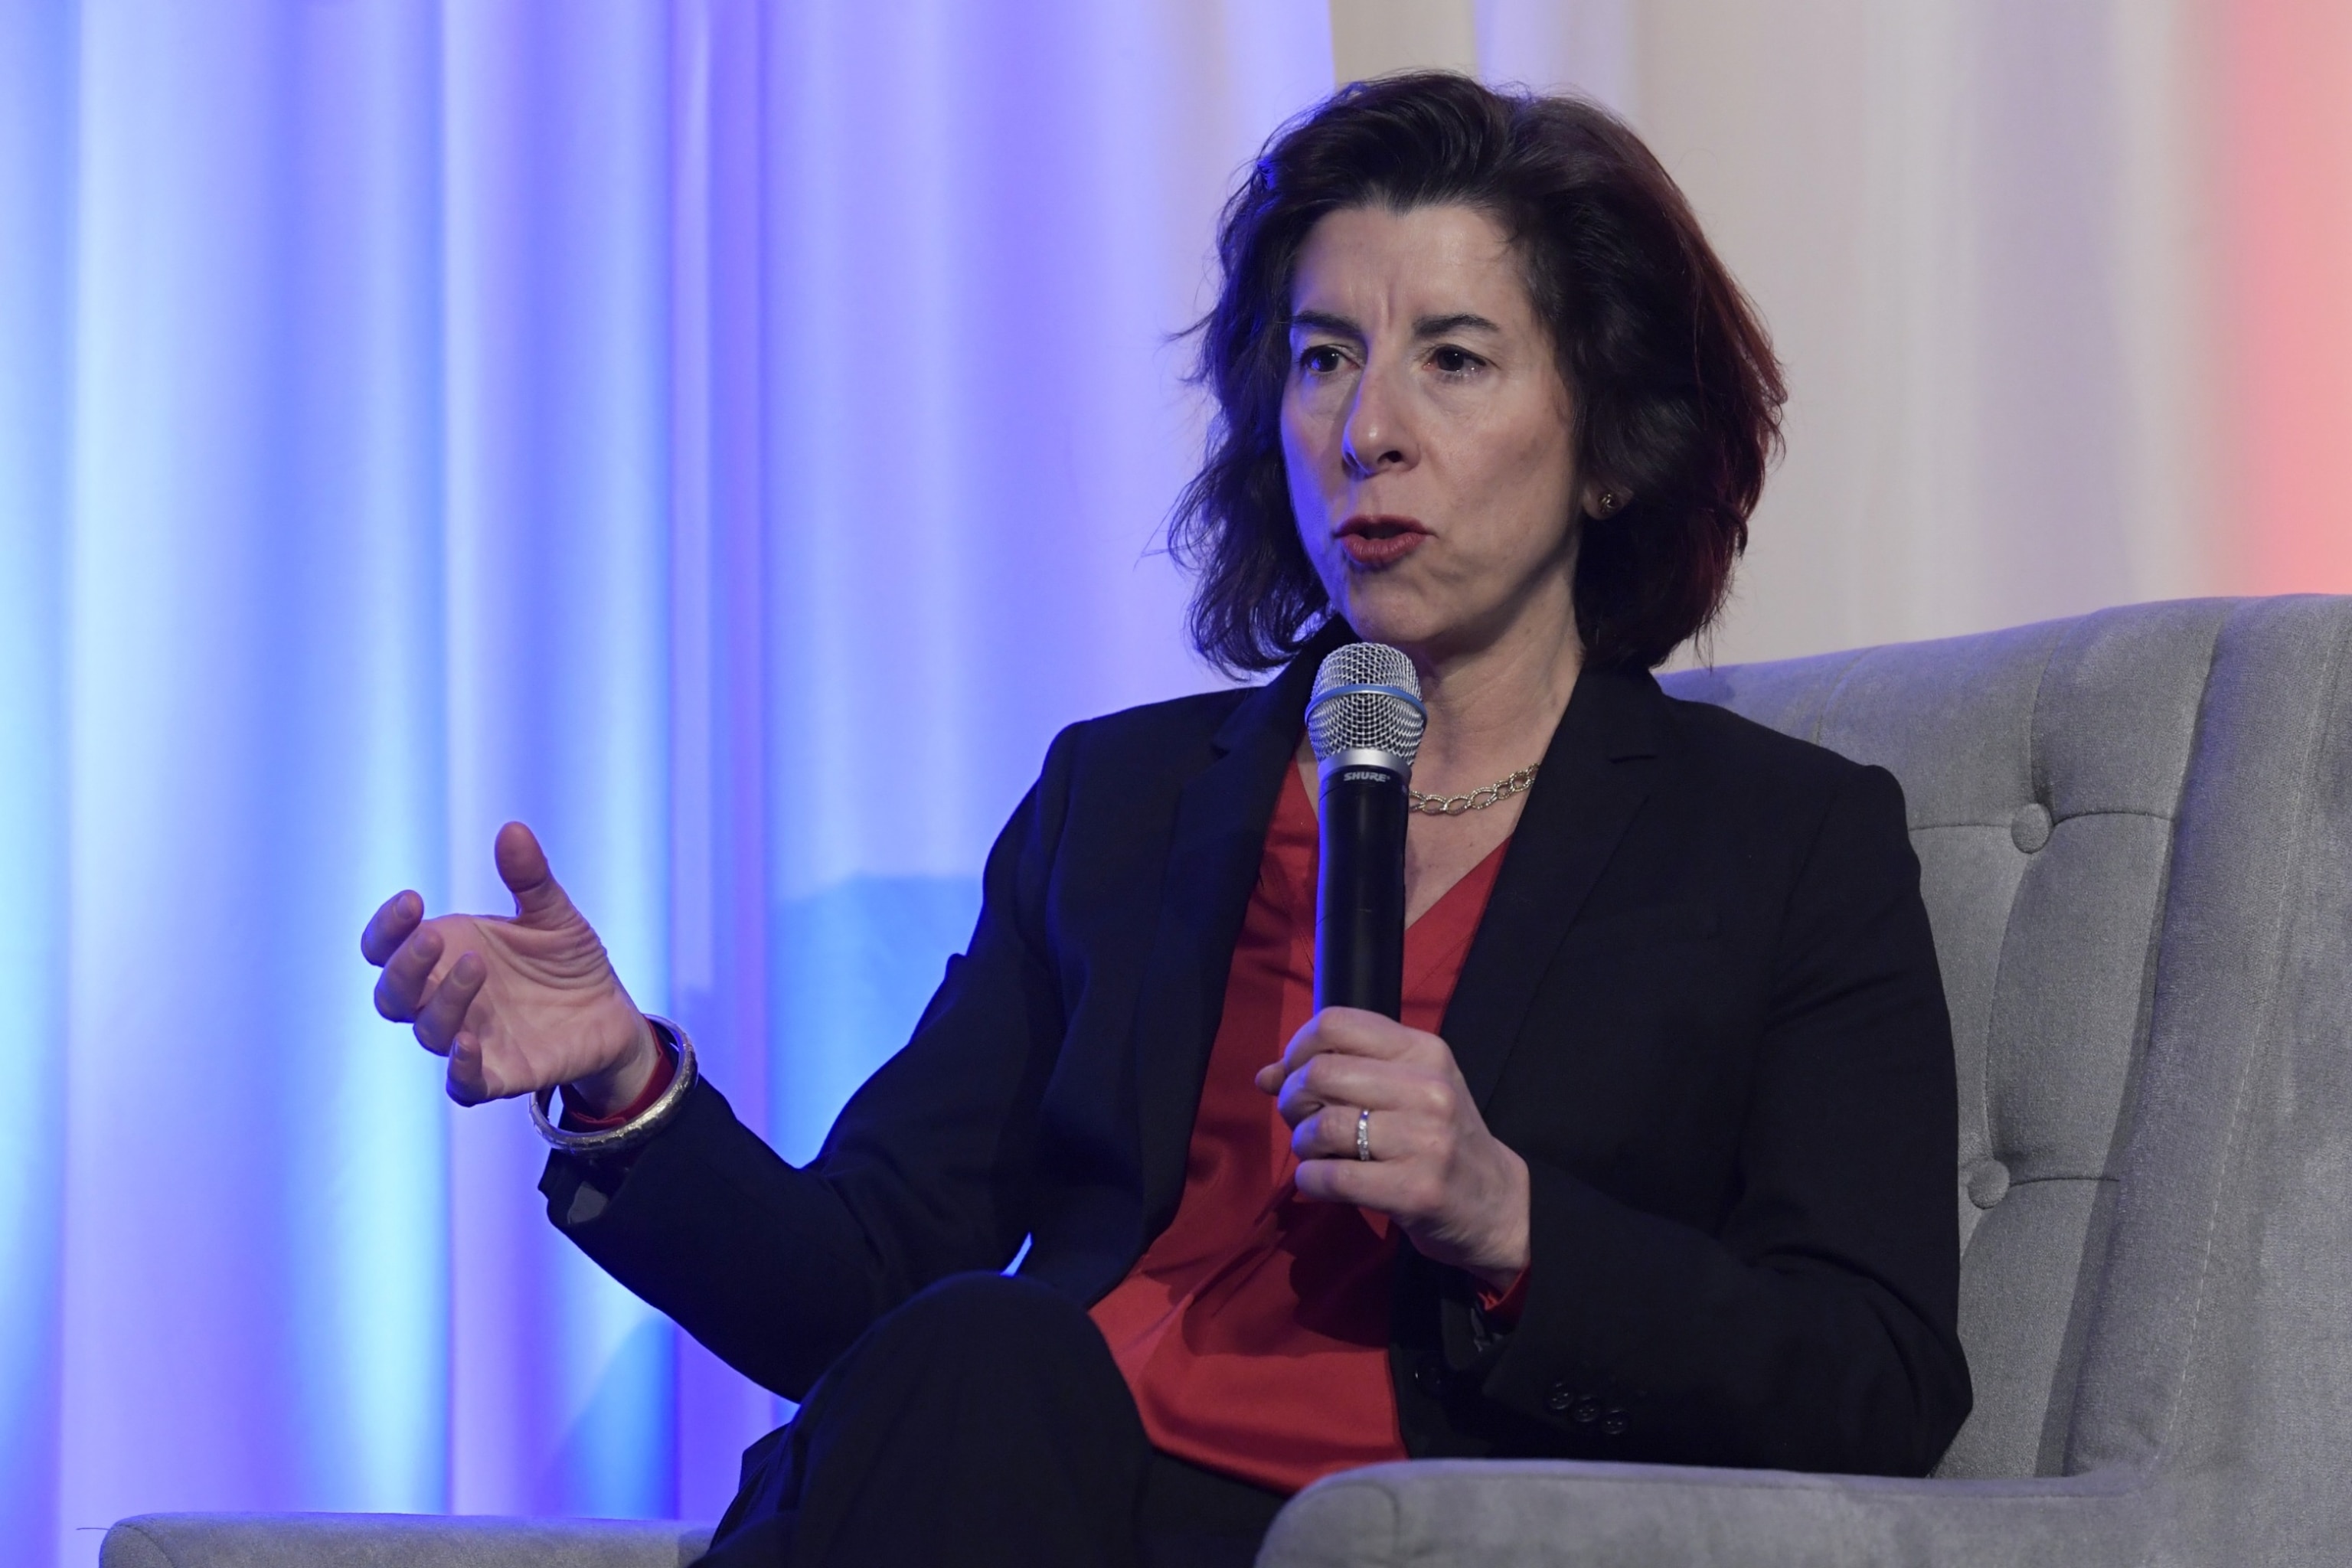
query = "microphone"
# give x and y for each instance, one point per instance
(1365, 721)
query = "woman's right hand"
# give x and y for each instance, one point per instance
(515, 1004)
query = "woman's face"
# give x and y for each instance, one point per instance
(1426, 432)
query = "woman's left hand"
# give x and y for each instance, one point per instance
(1455, 1187)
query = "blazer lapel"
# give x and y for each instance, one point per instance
(1592, 784)
(1218, 842)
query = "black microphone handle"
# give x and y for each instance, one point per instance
(1360, 893)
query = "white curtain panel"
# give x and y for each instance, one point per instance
(1980, 234)
(731, 437)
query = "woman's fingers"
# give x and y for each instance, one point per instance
(1349, 1030)
(444, 1013)
(539, 900)
(468, 1081)
(1330, 1134)
(1332, 1078)
(400, 989)
(390, 926)
(1370, 1186)
(1410, 1191)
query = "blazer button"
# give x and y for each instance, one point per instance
(1431, 1378)
(1586, 1413)
(1613, 1425)
(1558, 1397)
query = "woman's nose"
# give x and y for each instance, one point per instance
(1375, 437)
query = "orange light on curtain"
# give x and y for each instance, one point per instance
(2284, 316)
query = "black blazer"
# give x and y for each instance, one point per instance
(1703, 1004)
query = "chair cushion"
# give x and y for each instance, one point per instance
(396, 1540)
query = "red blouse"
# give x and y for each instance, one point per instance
(1255, 1330)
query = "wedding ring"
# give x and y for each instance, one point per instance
(1363, 1134)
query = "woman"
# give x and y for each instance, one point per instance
(1657, 1163)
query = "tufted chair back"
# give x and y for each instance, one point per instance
(2127, 824)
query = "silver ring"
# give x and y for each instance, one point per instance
(1363, 1134)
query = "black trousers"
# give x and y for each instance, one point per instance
(983, 1422)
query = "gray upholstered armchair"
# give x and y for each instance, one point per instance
(2136, 832)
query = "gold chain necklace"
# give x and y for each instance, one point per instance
(1479, 799)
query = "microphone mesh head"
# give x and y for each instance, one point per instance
(1367, 699)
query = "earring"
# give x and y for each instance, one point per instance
(1608, 502)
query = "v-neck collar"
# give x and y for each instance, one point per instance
(1577, 810)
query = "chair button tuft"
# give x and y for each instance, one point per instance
(2030, 828)
(1987, 1181)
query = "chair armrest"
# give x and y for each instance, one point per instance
(1528, 1513)
(409, 1541)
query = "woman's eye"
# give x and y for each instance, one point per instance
(1321, 360)
(1451, 361)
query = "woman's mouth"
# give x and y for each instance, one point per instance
(1379, 541)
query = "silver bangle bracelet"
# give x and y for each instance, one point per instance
(611, 1140)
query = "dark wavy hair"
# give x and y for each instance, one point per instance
(1676, 391)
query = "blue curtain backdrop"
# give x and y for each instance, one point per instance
(730, 436)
